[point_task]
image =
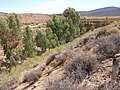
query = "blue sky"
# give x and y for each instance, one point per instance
(53, 6)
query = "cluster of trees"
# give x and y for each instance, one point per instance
(46, 39)
(19, 44)
(60, 30)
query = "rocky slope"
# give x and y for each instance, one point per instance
(84, 65)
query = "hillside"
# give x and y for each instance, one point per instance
(64, 53)
(107, 11)
(36, 21)
(2, 13)
(85, 65)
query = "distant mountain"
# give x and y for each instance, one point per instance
(2, 13)
(107, 11)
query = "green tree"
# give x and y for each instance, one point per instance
(9, 38)
(14, 24)
(73, 18)
(51, 39)
(57, 26)
(72, 15)
(68, 28)
(66, 31)
(40, 40)
(5, 37)
(28, 41)
(82, 28)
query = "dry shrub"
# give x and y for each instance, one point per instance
(108, 46)
(87, 40)
(106, 31)
(114, 22)
(65, 84)
(80, 65)
(110, 86)
(101, 33)
(9, 85)
(77, 66)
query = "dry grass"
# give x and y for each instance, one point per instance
(113, 30)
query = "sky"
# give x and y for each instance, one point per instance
(53, 6)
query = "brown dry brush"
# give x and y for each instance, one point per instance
(79, 66)
(76, 68)
(28, 76)
(108, 46)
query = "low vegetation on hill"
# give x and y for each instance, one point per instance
(83, 65)
(19, 44)
(69, 57)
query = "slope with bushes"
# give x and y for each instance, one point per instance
(19, 44)
(84, 65)
(63, 69)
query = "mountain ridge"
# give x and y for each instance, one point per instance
(3, 13)
(106, 11)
